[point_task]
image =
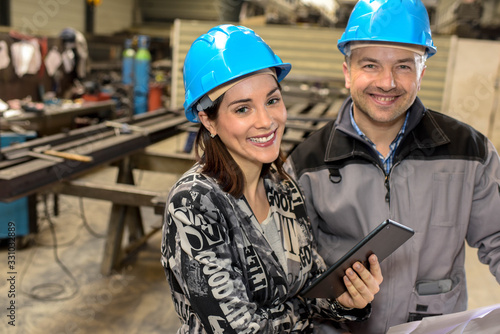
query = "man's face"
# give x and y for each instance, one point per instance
(383, 83)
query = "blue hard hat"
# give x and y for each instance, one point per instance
(224, 53)
(398, 21)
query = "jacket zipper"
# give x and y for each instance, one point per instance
(387, 183)
(388, 187)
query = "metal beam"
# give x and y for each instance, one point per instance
(118, 193)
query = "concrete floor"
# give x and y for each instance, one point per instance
(59, 288)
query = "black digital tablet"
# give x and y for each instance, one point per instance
(382, 241)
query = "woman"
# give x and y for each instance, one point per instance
(237, 245)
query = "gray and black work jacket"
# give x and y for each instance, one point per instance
(444, 183)
(225, 277)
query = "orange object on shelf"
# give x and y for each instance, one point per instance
(155, 94)
(96, 97)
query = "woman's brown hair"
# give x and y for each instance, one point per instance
(218, 163)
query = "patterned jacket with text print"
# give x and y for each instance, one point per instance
(224, 276)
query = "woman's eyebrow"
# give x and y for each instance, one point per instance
(272, 91)
(238, 101)
(248, 100)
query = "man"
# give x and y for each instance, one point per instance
(387, 156)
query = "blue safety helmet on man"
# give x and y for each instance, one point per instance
(209, 63)
(388, 21)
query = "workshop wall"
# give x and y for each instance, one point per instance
(161, 10)
(50, 17)
(112, 16)
(47, 17)
(43, 21)
(473, 90)
(19, 84)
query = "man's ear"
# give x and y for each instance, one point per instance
(207, 123)
(421, 76)
(347, 76)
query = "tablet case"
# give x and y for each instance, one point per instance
(383, 240)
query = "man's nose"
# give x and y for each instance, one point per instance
(386, 80)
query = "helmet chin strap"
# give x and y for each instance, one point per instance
(204, 103)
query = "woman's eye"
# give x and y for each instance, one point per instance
(241, 110)
(273, 100)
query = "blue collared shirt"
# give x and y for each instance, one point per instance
(388, 160)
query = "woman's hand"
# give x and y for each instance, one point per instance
(362, 284)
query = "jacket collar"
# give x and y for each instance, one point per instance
(422, 132)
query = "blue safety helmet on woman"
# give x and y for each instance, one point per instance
(223, 54)
(397, 21)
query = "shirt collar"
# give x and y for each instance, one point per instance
(359, 132)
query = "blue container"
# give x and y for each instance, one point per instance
(18, 211)
(128, 63)
(142, 63)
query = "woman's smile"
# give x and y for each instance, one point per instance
(264, 140)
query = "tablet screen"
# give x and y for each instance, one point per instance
(383, 240)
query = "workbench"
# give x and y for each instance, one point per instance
(52, 165)
(58, 118)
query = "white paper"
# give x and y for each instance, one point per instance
(26, 57)
(3, 106)
(36, 59)
(22, 52)
(4, 55)
(68, 59)
(485, 320)
(52, 61)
